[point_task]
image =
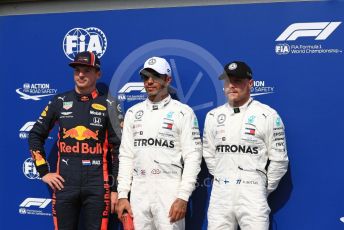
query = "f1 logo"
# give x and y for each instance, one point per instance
(27, 127)
(132, 86)
(320, 30)
(38, 202)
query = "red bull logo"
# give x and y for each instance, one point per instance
(80, 133)
(83, 148)
(106, 201)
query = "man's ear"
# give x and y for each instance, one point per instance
(251, 83)
(99, 74)
(168, 79)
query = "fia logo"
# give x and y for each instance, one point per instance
(29, 169)
(24, 131)
(34, 206)
(282, 49)
(90, 39)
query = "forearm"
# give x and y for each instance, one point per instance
(209, 159)
(114, 170)
(36, 146)
(124, 176)
(189, 177)
(276, 171)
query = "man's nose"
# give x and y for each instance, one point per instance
(81, 74)
(150, 80)
(231, 84)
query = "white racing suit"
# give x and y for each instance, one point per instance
(160, 158)
(237, 144)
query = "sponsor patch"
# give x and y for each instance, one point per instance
(99, 107)
(44, 112)
(167, 125)
(38, 158)
(86, 162)
(250, 131)
(67, 105)
(221, 118)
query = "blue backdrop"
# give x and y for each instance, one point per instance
(294, 49)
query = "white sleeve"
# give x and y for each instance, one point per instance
(126, 157)
(209, 144)
(191, 147)
(277, 151)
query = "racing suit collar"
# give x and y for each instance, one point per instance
(87, 97)
(158, 105)
(241, 108)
